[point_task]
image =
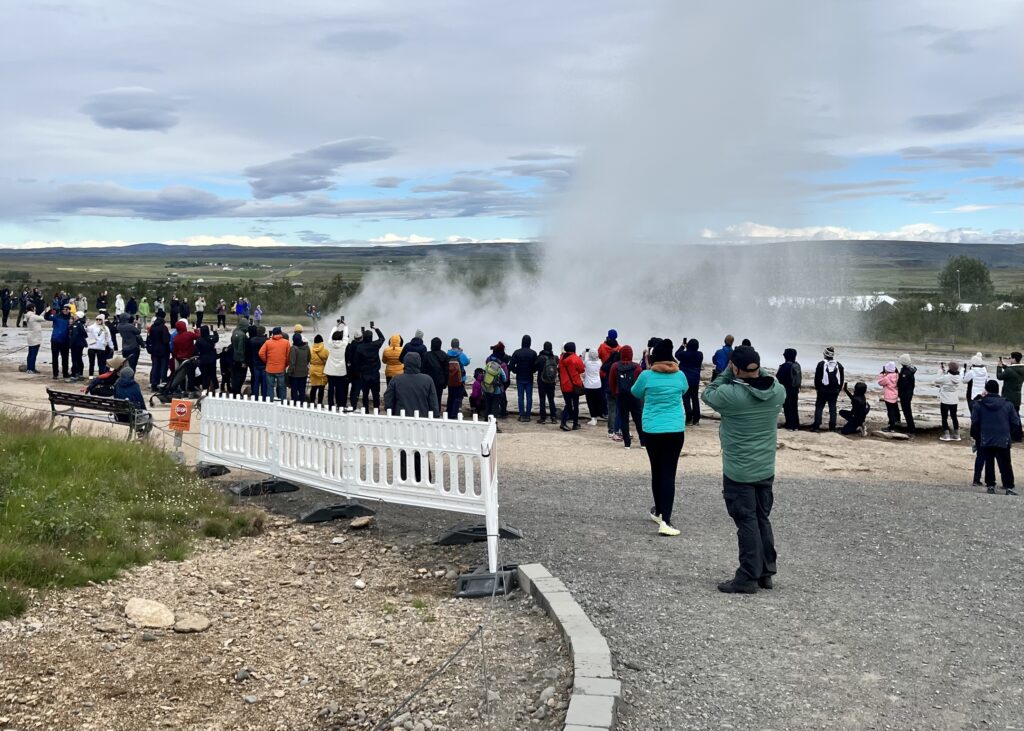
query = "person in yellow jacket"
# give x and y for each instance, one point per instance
(317, 380)
(392, 358)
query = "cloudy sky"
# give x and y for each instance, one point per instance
(327, 121)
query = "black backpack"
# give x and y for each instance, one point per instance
(626, 376)
(549, 371)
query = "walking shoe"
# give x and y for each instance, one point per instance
(575, 426)
(1010, 491)
(627, 447)
(956, 436)
(542, 421)
(611, 436)
(563, 427)
(602, 418)
(737, 587)
(976, 483)
(616, 437)
(816, 430)
(765, 582)
(655, 517)
(945, 436)
(888, 430)
(990, 490)
(666, 529)
(592, 422)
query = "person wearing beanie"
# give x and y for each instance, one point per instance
(127, 388)
(621, 377)
(661, 388)
(239, 356)
(546, 368)
(522, 366)
(829, 378)
(720, 360)
(995, 424)
(977, 373)
(790, 375)
(749, 401)
(608, 352)
(905, 385)
(890, 395)
(570, 378)
(456, 382)
(1012, 376)
(948, 383)
(414, 346)
(366, 364)
(299, 359)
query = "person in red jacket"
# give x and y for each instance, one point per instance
(184, 345)
(621, 377)
(570, 376)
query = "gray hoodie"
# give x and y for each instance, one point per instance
(411, 391)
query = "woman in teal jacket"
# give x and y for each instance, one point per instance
(661, 388)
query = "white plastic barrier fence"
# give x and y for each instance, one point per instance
(424, 462)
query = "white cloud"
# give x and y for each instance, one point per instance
(396, 239)
(755, 232)
(972, 208)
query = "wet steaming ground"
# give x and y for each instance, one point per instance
(897, 605)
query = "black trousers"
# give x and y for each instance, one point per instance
(572, 408)
(663, 451)
(366, 388)
(199, 318)
(789, 408)
(7, 313)
(1000, 456)
(908, 415)
(546, 391)
(316, 394)
(948, 412)
(691, 403)
(853, 422)
(222, 321)
(61, 351)
(596, 405)
(893, 412)
(628, 406)
(337, 391)
(77, 362)
(823, 399)
(208, 376)
(238, 371)
(750, 506)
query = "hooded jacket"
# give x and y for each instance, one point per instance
(1012, 377)
(318, 355)
(206, 349)
(159, 340)
(34, 323)
(570, 369)
(994, 422)
(392, 357)
(79, 337)
(523, 361)
(906, 382)
(131, 336)
(661, 388)
(690, 361)
(976, 374)
(890, 394)
(299, 359)
(274, 353)
(411, 391)
(457, 354)
(366, 358)
(128, 389)
(748, 432)
(790, 374)
(61, 327)
(836, 375)
(435, 365)
(721, 358)
(949, 388)
(336, 365)
(253, 345)
(605, 349)
(184, 345)
(414, 346)
(625, 360)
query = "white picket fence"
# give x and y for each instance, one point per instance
(359, 455)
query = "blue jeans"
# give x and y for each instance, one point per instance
(259, 383)
(276, 383)
(525, 390)
(33, 351)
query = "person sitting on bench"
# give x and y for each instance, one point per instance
(104, 384)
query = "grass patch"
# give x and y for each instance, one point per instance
(79, 509)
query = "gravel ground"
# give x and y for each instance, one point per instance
(897, 605)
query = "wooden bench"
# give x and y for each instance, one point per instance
(107, 411)
(951, 342)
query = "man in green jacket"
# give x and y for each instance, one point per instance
(749, 401)
(1012, 377)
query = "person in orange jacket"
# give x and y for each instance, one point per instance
(274, 354)
(570, 376)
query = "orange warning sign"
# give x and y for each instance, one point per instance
(181, 415)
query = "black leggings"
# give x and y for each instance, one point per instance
(366, 388)
(908, 415)
(691, 403)
(893, 412)
(337, 391)
(546, 391)
(316, 394)
(949, 412)
(663, 450)
(630, 406)
(572, 408)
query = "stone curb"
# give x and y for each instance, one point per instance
(596, 692)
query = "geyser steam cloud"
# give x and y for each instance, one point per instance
(728, 111)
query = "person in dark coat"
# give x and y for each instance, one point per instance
(413, 393)
(79, 342)
(522, 365)
(367, 365)
(995, 423)
(905, 384)
(257, 368)
(790, 374)
(131, 340)
(829, 378)
(206, 349)
(435, 365)
(413, 346)
(158, 344)
(857, 414)
(350, 368)
(690, 361)
(6, 300)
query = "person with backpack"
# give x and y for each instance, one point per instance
(257, 371)
(905, 385)
(367, 364)
(435, 365)
(623, 375)
(392, 358)
(206, 350)
(790, 375)
(494, 381)
(592, 386)
(948, 383)
(546, 368)
(720, 359)
(829, 378)
(457, 362)
(570, 378)
(522, 365)
(857, 414)
(240, 355)
(661, 389)
(691, 360)
(749, 401)
(501, 401)
(995, 425)
(476, 394)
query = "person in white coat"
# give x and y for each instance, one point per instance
(34, 323)
(592, 385)
(948, 383)
(335, 369)
(975, 377)
(100, 345)
(118, 306)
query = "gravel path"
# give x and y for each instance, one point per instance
(897, 605)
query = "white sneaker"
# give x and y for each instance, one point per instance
(666, 530)
(592, 422)
(655, 518)
(945, 436)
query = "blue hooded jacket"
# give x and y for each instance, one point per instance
(61, 327)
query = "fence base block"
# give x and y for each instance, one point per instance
(264, 487)
(481, 584)
(463, 535)
(334, 512)
(211, 470)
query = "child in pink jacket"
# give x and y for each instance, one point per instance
(890, 395)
